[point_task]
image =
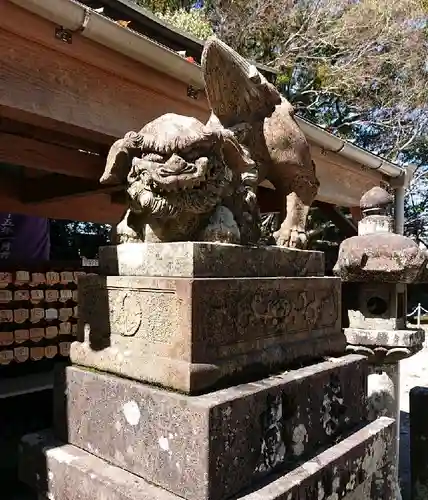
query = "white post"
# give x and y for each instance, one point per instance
(419, 314)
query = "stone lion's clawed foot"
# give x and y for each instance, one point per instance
(125, 234)
(292, 238)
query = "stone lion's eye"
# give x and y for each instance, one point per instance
(203, 149)
(241, 134)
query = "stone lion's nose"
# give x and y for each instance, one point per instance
(175, 165)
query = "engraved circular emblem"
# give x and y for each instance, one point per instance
(132, 315)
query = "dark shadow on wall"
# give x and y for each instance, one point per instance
(33, 463)
(20, 415)
(404, 467)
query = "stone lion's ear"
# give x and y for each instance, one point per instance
(235, 156)
(118, 163)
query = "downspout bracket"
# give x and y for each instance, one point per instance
(400, 181)
(193, 92)
(66, 35)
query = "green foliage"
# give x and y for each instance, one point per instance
(340, 61)
(324, 236)
(182, 15)
(163, 6)
(416, 208)
(191, 21)
(71, 240)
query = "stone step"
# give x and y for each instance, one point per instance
(214, 445)
(195, 334)
(360, 467)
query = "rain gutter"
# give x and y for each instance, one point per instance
(78, 18)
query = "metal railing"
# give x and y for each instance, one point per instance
(418, 311)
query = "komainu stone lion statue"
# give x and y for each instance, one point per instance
(190, 181)
(245, 103)
(184, 181)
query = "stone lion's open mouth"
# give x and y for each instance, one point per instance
(177, 173)
(185, 182)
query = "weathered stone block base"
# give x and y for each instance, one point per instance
(213, 445)
(357, 468)
(197, 334)
(189, 259)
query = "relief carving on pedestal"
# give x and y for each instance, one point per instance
(125, 313)
(298, 310)
(268, 313)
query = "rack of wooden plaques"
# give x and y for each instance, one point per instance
(39, 308)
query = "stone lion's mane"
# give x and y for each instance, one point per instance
(167, 135)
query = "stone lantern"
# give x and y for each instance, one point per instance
(377, 265)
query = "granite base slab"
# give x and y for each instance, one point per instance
(193, 334)
(357, 468)
(211, 446)
(201, 260)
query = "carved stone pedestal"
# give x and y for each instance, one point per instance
(202, 326)
(214, 445)
(191, 334)
(208, 388)
(299, 435)
(357, 468)
(384, 350)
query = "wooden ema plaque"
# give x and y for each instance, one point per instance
(38, 314)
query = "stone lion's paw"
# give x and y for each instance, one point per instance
(292, 238)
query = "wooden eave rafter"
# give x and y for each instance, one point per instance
(48, 157)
